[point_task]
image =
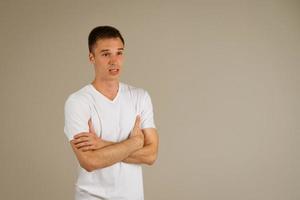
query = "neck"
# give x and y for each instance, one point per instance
(107, 88)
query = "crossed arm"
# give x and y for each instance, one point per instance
(94, 153)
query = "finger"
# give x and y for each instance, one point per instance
(83, 134)
(80, 140)
(91, 127)
(82, 144)
(137, 121)
(136, 127)
(92, 147)
(86, 149)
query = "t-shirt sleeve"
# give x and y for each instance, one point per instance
(77, 114)
(147, 117)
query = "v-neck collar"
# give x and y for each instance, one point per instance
(103, 96)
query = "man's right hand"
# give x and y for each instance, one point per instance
(89, 141)
(137, 132)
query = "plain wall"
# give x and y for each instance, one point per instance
(224, 78)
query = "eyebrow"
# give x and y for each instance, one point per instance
(106, 50)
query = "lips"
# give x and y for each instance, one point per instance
(113, 70)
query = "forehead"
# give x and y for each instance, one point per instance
(108, 43)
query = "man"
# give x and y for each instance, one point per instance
(110, 126)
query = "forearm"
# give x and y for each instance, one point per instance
(105, 143)
(145, 155)
(108, 155)
(114, 152)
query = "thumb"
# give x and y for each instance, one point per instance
(91, 128)
(137, 122)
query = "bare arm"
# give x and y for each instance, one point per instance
(147, 154)
(107, 156)
(90, 141)
(109, 153)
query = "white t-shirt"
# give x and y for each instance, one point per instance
(112, 120)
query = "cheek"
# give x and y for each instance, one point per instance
(121, 59)
(101, 65)
(102, 61)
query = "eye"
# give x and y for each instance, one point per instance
(119, 53)
(105, 54)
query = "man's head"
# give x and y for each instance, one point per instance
(106, 46)
(103, 32)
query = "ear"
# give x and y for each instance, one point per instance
(92, 58)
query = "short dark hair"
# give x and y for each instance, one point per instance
(103, 32)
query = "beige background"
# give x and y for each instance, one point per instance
(224, 77)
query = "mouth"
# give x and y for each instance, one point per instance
(114, 70)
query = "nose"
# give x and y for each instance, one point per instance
(113, 60)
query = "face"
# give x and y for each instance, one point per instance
(107, 58)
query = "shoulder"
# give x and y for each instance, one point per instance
(81, 96)
(133, 91)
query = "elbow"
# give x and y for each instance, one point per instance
(151, 159)
(92, 164)
(88, 169)
(87, 166)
